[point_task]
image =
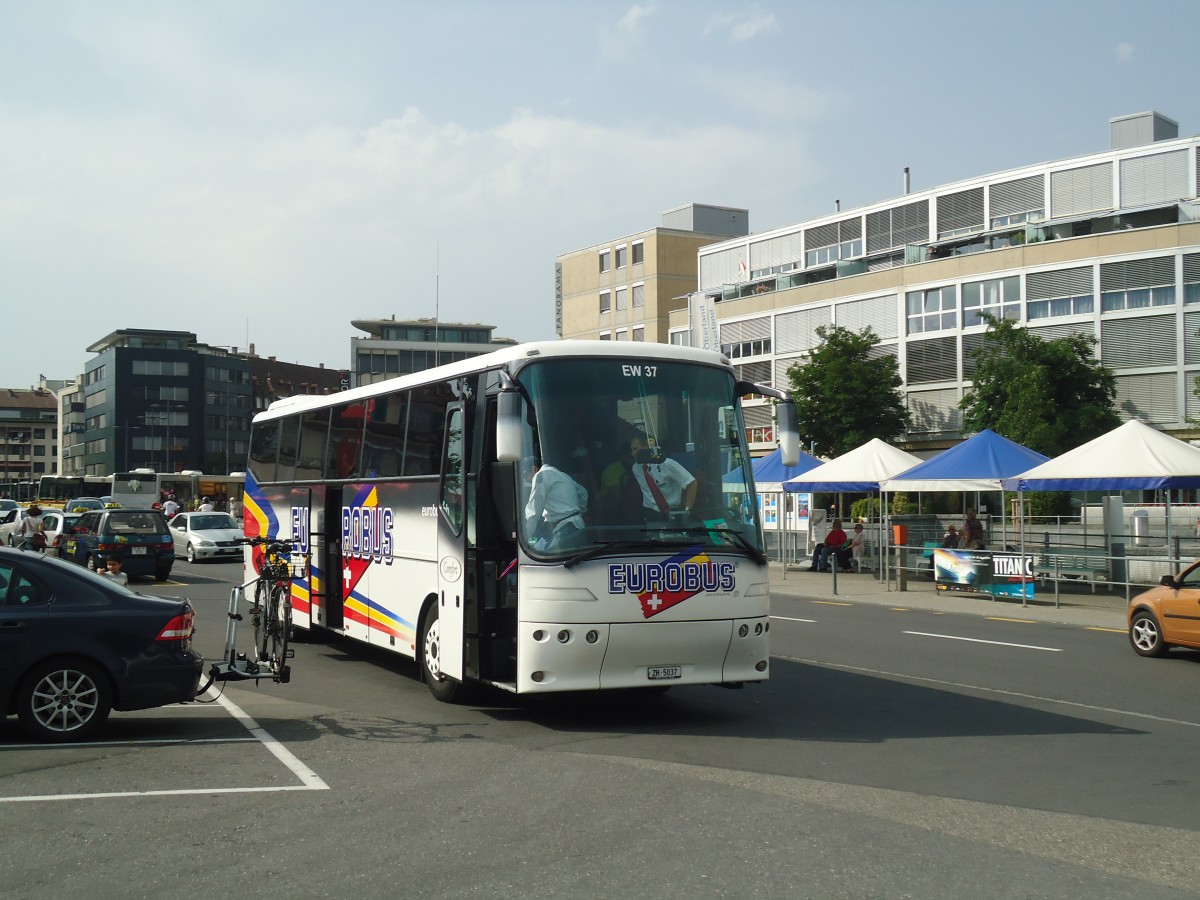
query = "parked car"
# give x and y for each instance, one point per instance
(75, 645)
(139, 535)
(10, 521)
(206, 535)
(83, 504)
(57, 535)
(55, 522)
(6, 504)
(1167, 615)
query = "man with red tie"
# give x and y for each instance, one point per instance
(666, 485)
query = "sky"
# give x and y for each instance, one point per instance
(267, 171)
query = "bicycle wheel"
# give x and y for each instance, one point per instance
(259, 617)
(280, 626)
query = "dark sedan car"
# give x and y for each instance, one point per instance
(75, 645)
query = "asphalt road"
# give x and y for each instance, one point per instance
(893, 753)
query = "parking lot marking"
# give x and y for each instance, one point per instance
(309, 780)
(307, 776)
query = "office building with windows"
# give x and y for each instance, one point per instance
(394, 348)
(28, 434)
(162, 400)
(1106, 245)
(625, 289)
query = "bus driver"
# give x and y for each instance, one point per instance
(666, 485)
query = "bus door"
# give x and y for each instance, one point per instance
(452, 542)
(326, 542)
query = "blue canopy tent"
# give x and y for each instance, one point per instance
(979, 463)
(769, 475)
(770, 472)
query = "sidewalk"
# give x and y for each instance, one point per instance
(1103, 609)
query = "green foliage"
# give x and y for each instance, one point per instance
(1050, 395)
(1049, 503)
(865, 508)
(844, 396)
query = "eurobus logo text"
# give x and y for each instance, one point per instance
(367, 533)
(661, 585)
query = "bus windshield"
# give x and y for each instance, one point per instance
(622, 452)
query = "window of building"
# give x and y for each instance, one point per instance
(622, 256)
(605, 301)
(639, 296)
(997, 297)
(605, 261)
(605, 336)
(934, 309)
(622, 334)
(639, 253)
(39, 434)
(1059, 292)
(742, 349)
(622, 298)
(1137, 284)
(639, 333)
(1191, 278)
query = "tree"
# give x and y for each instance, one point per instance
(1050, 395)
(844, 395)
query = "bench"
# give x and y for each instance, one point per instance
(1066, 562)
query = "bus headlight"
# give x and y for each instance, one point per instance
(743, 630)
(592, 636)
(564, 636)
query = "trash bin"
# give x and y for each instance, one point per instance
(1139, 527)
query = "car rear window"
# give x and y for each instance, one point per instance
(135, 523)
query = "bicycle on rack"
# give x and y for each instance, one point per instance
(270, 615)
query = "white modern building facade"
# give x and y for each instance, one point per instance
(1107, 245)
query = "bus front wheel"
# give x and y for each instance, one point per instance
(443, 687)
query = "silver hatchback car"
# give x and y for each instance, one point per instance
(206, 535)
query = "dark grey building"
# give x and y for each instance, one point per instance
(164, 401)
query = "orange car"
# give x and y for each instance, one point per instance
(1168, 615)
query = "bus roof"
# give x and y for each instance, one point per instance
(498, 359)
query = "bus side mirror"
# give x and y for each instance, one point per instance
(789, 434)
(508, 427)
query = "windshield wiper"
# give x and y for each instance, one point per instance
(601, 549)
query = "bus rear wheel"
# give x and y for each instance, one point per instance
(443, 687)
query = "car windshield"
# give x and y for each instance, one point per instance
(628, 454)
(212, 522)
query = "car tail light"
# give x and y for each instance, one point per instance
(179, 628)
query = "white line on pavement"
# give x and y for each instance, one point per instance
(790, 619)
(954, 637)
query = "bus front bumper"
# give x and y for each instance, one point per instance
(586, 657)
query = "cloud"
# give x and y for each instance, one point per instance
(1123, 52)
(617, 42)
(742, 26)
(166, 224)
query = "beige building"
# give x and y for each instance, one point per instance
(1105, 245)
(625, 289)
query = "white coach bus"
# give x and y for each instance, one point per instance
(549, 517)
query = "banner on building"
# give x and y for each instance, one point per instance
(702, 310)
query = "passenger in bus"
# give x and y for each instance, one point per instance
(620, 499)
(555, 509)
